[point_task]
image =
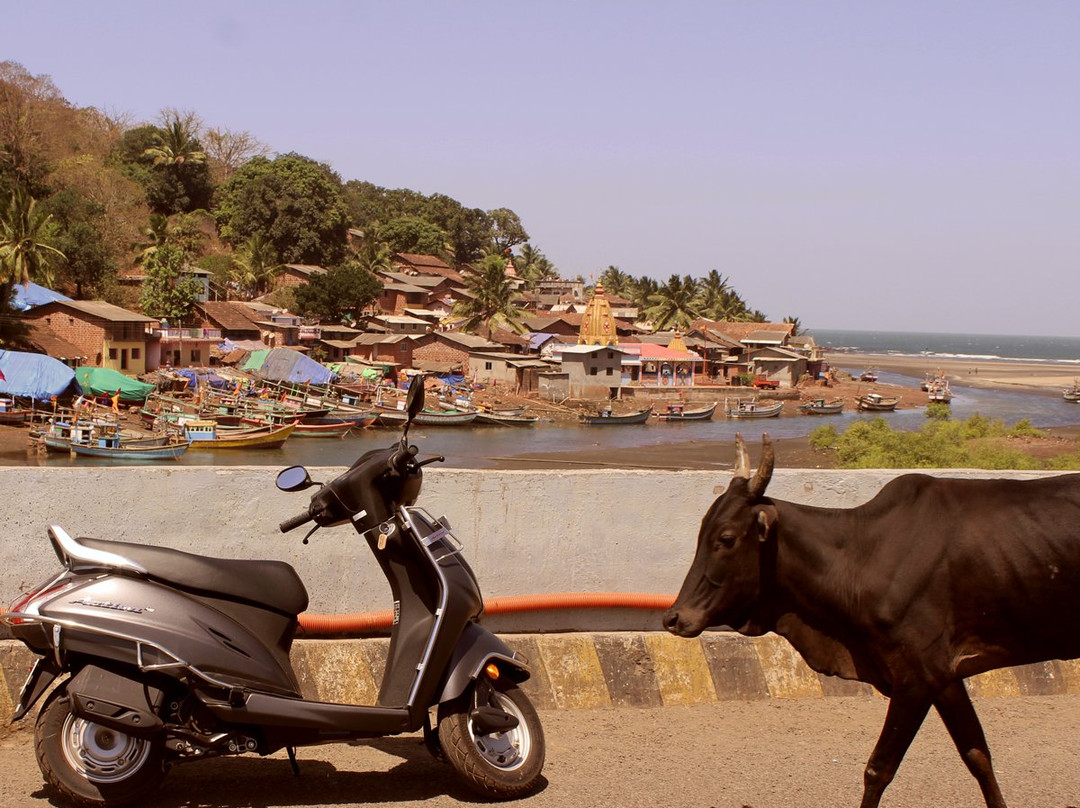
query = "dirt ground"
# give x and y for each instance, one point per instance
(802, 753)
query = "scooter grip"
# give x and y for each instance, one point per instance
(294, 522)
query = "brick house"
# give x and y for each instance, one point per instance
(297, 274)
(417, 264)
(444, 350)
(109, 336)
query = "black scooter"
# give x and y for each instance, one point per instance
(168, 656)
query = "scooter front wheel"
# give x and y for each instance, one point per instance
(497, 765)
(92, 765)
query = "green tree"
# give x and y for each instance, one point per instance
(411, 234)
(169, 291)
(616, 282)
(26, 236)
(342, 293)
(794, 321)
(506, 229)
(674, 305)
(533, 266)
(255, 266)
(14, 330)
(80, 224)
(492, 298)
(166, 165)
(295, 203)
(175, 143)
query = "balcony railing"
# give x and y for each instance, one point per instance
(174, 334)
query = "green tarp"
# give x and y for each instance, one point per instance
(105, 382)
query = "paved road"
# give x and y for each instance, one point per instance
(769, 754)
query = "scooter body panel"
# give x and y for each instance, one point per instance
(131, 620)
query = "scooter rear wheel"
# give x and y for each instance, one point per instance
(497, 765)
(92, 765)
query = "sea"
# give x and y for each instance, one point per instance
(495, 447)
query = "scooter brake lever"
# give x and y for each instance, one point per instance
(308, 536)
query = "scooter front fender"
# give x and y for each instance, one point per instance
(476, 648)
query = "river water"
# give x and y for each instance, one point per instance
(483, 446)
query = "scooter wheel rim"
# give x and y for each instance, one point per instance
(101, 754)
(509, 750)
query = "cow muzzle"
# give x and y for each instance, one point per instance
(685, 622)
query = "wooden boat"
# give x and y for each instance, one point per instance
(60, 432)
(869, 375)
(203, 435)
(875, 402)
(678, 412)
(1073, 393)
(115, 448)
(820, 406)
(506, 418)
(939, 391)
(752, 408)
(11, 414)
(607, 417)
(389, 416)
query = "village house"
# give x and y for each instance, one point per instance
(507, 371)
(398, 295)
(418, 264)
(448, 351)
(297, 274)
(235, 321)
(398, 324)
(587, 371)
(109, 336)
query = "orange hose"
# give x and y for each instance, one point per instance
(311, 624)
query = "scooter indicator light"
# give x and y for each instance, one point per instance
(492, 670)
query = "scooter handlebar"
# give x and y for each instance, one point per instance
(294, 522)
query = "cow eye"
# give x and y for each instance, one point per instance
(725, 541)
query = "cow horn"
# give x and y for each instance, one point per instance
(742, 458)
(765, 468)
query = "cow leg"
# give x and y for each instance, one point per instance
(902, 721)
(956, 711)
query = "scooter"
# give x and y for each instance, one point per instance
(166, 656)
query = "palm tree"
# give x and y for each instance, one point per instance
(712, 290)
(794, 321)
(492, 301)
(175, 143)
(673, 305)
(14, 330)
(24, 236)
(532, 266)
(616, 282)
(375, 257)
(255, 266)
(156, 234)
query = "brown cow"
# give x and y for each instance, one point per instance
(931, 581)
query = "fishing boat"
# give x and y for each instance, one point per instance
(868, 375)
(1073, 393)
(939, 391)
(115, 448)
(11, 414)
(515, 417)
(875, 402)
(607, 417)
(389, 416)
(204, 435)
(752, 408)
(821, 406)
(60, 431)
(679, 412)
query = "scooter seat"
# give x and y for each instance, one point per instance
(268, 583)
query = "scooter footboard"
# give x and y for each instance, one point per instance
(476, 648)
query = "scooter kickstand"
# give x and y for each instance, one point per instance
(291, 751)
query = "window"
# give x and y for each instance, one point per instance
(487, 366)
(404, 347)
(592, 371)
(610, 372)
(136, 353)
(112, 353)
(194, 357)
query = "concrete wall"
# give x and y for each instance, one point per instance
(524, 532)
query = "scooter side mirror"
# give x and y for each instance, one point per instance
(414, 402)
(294, 478)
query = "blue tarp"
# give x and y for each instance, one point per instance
(197, 377)
(33, 375)
(287, 365)
(26, 297)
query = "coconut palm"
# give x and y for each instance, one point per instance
(616, 282)
(532, 266)
(255, 266)
(712, 292)
(25, 233)
(674, 304)
(175, 143)
(155, 235)
(492, 298)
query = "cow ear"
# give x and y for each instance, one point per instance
(766, 518)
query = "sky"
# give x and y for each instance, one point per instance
(898, 165)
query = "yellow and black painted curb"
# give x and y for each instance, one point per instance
(616, 669)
